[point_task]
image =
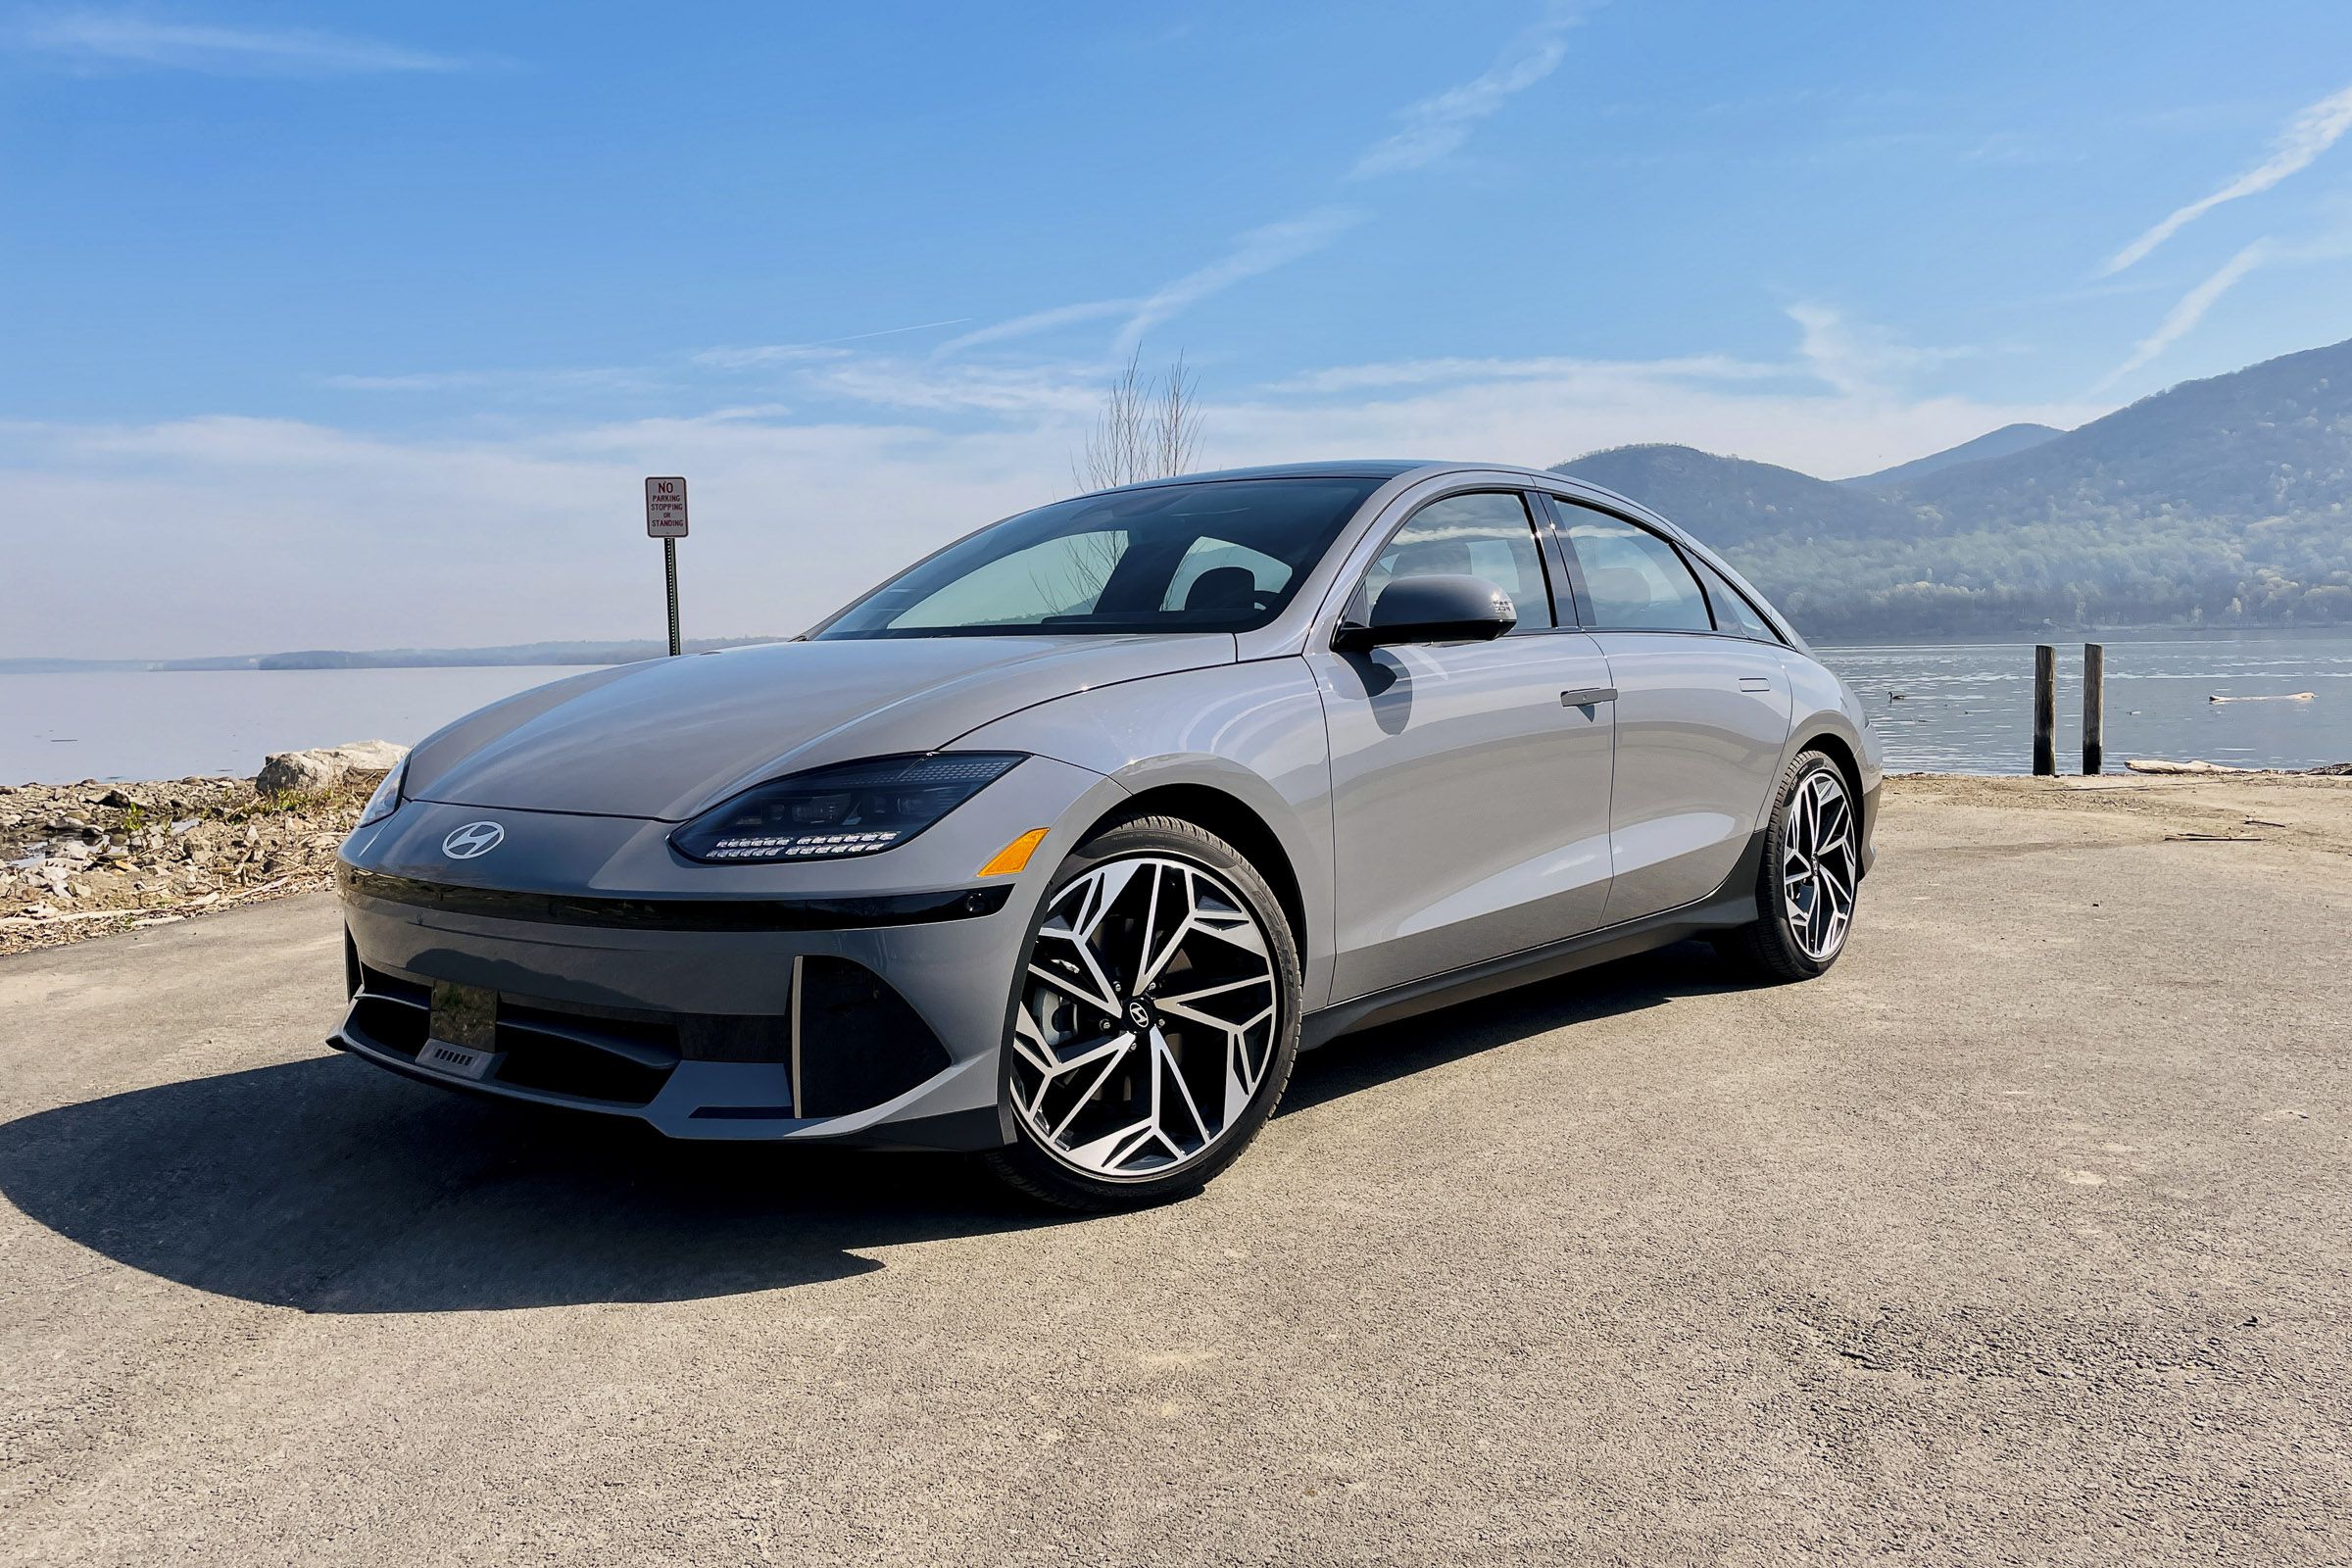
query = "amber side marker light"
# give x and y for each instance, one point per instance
(1014, 855)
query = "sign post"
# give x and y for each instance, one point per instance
(666, 520)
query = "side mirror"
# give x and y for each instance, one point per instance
(1433, 610)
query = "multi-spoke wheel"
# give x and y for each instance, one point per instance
(1811, 874)
(1154, 1020)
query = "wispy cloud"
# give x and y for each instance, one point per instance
(557, 382)
(1433, 128)
(1037, 321)
(745, 357)
(1344, 378)
(1439, 126)
(2310, 133)
(120, 38)
(2189, 312)
(1858, 358)
(1261, 250)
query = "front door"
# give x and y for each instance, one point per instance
(1470, 782)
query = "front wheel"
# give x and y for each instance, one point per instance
(1154, 1020)
(1811, 876)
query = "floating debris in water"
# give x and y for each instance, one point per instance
(2287, 697)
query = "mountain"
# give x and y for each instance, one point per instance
(2001, 443)
(2220, 502)
(1731, 501)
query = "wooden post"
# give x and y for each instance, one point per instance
(2045, 712)
(2094, 708)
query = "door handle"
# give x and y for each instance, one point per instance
(1754, 683)
(1588, 696)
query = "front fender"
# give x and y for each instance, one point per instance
(1252, 732)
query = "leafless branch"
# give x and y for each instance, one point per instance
(1145, 430)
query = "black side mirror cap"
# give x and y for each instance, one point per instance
(1435, 608)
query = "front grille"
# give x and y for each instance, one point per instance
(859, 1043)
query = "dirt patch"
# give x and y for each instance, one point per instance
(88, 859)
(2303, 811)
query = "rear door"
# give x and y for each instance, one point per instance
(1703, 711)
(1470, 782)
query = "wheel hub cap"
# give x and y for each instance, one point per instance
(1148, 1020)
(1820, 868)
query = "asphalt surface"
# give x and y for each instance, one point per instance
(2026, 1235)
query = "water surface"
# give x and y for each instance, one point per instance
(1963, 707)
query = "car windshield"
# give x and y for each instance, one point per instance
(1219, 554)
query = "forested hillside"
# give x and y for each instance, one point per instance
(2217, 501)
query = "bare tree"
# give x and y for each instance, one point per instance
(1145, 430)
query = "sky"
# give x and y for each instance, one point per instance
(360, 326)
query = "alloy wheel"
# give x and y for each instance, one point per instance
(1819, 867)
(1147, 1020)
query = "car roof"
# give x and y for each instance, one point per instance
(1384, 468)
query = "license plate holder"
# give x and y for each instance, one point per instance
(462, 1040)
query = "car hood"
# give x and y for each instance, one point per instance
(672, 737)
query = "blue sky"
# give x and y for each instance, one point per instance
(315, 312)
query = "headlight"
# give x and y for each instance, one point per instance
(831, 813)
(386, 799)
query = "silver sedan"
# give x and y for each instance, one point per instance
(1061, 844)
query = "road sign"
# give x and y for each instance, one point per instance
(666, 509)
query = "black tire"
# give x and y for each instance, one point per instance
(1772, 948)
(1028, 1165)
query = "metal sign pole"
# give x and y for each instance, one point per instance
(666, 520)
(669, 568)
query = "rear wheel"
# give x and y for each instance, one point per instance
(1154, 1022)
(1811, 876)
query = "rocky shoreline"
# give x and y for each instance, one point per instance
(92, 859)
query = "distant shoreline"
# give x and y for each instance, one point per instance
(631, 652)
(571, 653)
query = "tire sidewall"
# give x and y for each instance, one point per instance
(1029, 1166)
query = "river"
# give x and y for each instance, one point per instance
(1963, 707)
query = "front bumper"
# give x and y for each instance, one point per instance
(796, 1004)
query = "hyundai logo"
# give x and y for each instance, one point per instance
(1139, 1014)
(474, 838)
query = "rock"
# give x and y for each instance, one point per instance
(322, 767)
(119, 801)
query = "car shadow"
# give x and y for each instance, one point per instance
(327, 1185)
(1370, 1058)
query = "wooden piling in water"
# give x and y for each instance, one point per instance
(2045, 712)
(2094, 709)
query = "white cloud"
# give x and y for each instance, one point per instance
(1433, 128)
(750, 356)
(201, 519)
(1439, 126)
(1455, 372)
(754, 355)
(1859, 359)
(116, 38)
(1260, 251)
(2310, 133)
(1037, 321)
(2189, 312)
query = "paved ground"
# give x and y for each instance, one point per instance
(2022, 1236)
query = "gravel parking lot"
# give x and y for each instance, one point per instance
(2020, 1236)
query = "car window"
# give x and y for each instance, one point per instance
(1208, 556)
(1062, 576)
(1733, 611)
(1219, 574)
(1636, 581)
(1484, 534)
